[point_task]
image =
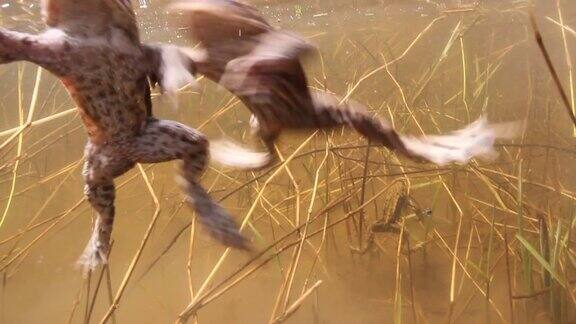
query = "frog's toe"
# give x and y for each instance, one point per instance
(95, 254)
(230, 154)
(254, 125)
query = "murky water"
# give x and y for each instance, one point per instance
(456, 61)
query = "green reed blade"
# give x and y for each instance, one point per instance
(528, 247)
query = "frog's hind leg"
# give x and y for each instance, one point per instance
(268, 134)
(228, 153)
(475, 140)
(100, 169)
(164, 140)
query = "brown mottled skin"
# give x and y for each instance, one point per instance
(92, 46)
(261, 65)
(240, 50)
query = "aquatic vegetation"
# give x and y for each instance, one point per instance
(485, 242)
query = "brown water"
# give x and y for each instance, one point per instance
(464, 58)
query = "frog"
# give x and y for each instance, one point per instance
(262, 65)
(93, 47)
(395, 203)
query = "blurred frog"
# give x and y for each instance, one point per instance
(242, 52)
(93, 47)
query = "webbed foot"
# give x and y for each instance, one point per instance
(230, 154)
(94, 255)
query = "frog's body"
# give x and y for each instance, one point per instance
(92, 46)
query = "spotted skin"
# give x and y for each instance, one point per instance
(241, 51)
(102, 164)
(107, 75)
(165, 140)
(262, 67)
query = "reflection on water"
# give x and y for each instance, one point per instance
(458, 59)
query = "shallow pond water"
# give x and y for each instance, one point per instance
(463, 258)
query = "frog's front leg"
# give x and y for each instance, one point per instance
(46, 49)
(102, 165)
(11, 48)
